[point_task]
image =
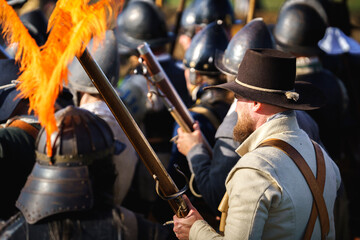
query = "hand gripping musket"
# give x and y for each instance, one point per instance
(164, 183)
(171, 98)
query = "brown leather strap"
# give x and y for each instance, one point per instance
(31, 130)
(320, 178)
(316, 191)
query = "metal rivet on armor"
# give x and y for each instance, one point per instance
(211, 59)
(206, 66)
(192, 64)
(227, 60)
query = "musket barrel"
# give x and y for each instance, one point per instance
(133, 132)
(164, 84)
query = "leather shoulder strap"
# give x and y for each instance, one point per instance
(320, 178)
(316, 190)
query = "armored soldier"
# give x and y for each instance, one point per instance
(69, 194)
(87, 97)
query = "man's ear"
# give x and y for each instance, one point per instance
(257, 106)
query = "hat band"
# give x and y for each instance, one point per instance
(289, 94)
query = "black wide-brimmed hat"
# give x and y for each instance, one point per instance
(268, 76)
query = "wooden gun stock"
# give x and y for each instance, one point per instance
(134, 134)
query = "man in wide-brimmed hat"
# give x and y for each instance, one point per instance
(272, 190)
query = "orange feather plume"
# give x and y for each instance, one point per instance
(72, 24)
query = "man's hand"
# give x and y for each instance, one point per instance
(182, 225)
(186, 141)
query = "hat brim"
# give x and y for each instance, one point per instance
(219, 57)
(310, 97)
(133, 43)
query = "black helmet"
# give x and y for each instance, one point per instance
(300, 26)
(36, 23)
(142, 21)
(70, 179)
(106, 56)
(8, 100)
(254, 34)
(207, 11)
(200, 55)
(187, 21)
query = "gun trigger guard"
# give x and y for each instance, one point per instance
(175, 195)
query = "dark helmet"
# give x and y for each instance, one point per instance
(80, 165)
(106, 56)
(36, 23)
(8, 100)
(200, 55)
(142, 21)
(300, 26)
(254, 34)
(207, 11)
(187, 21)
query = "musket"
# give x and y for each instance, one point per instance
(171, 98)
(179, 12)
(175, 105)
(164, 183)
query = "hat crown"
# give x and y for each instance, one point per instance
(276, 69)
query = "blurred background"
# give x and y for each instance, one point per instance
(267, 9)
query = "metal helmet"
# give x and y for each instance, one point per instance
(300, 26)
(8, 100)
(200, 56)
(207, 11)
(254, 34)
(142, 21)
(187, 21)
(106, 56)
(80, 164)
(36, 23)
